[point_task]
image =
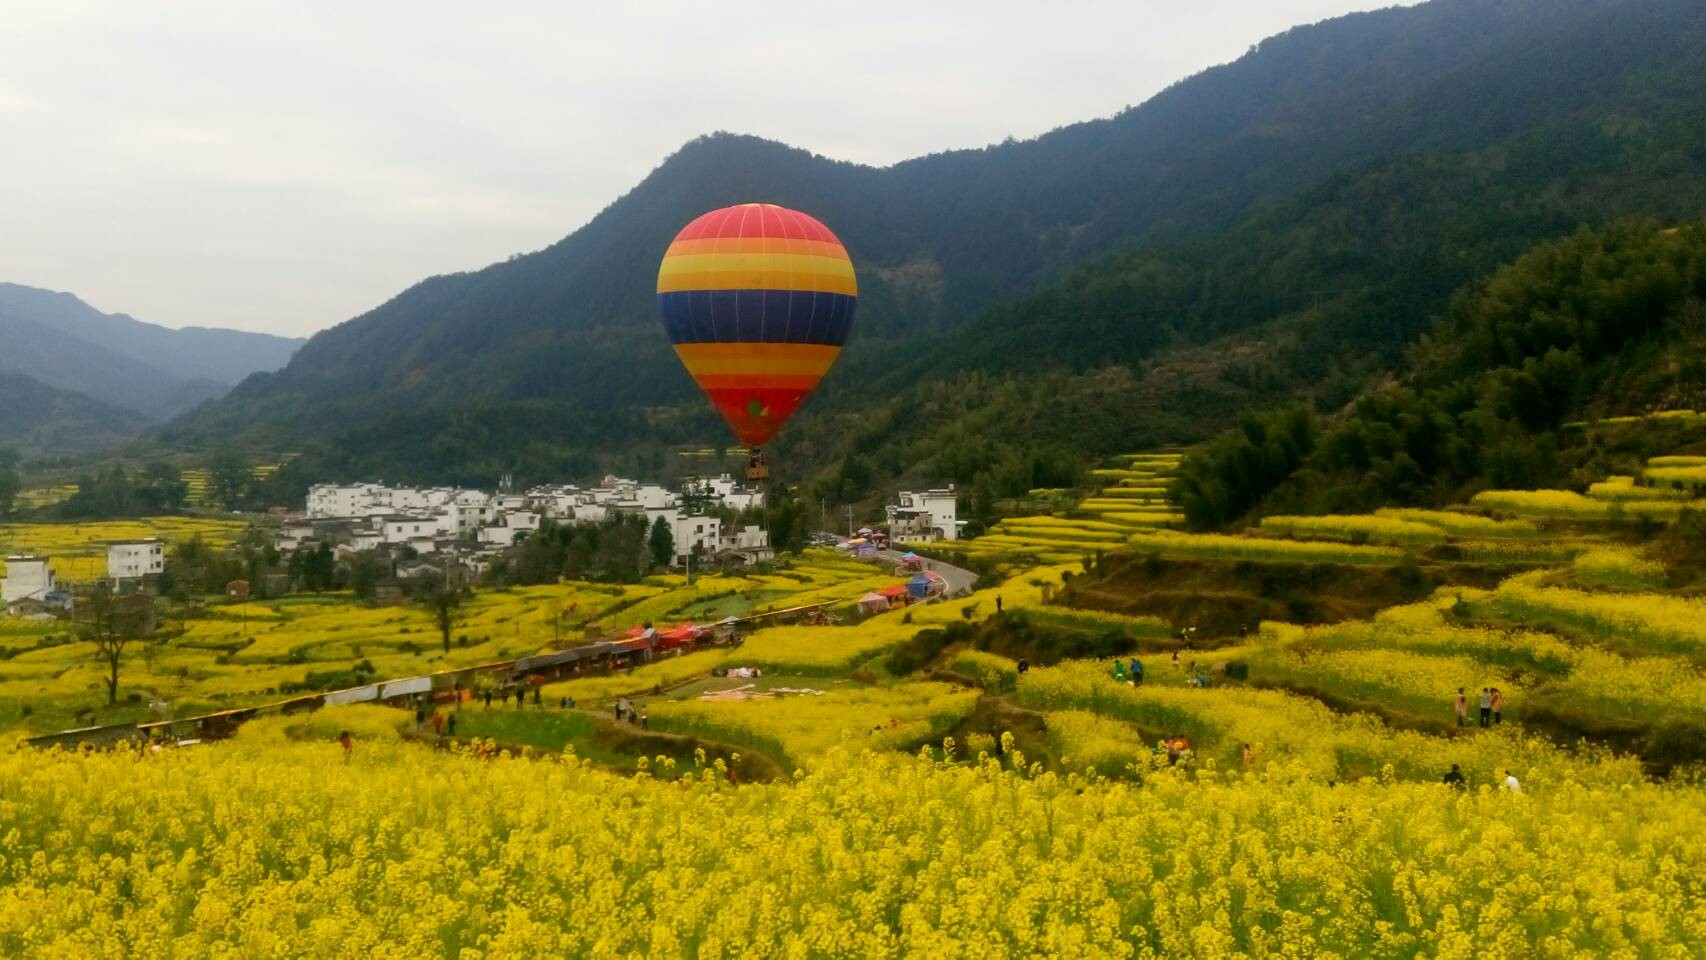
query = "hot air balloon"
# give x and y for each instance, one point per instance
(758, 300)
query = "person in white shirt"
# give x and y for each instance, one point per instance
(1511, 783)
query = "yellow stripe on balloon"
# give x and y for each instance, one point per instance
(735, 359)
(811, 248)
(776, 262)
(756, 271)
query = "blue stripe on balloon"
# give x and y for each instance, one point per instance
(757, 316)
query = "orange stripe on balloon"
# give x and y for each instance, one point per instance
(757, 280)
(749, 382)
(757, 358)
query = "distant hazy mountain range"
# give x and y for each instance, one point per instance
(73, 378)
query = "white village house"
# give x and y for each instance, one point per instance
(924, 517)
(27, 579)
(136, 559)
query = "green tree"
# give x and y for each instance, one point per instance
(315, 569)
(365, 569)
(228, 478)
(662, 543)
(164, 485)
(9, 482)
(444, 602)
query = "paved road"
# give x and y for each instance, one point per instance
(958, 580)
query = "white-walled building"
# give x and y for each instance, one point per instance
(348, 500)
(398, 530)
(726, 491)
(27, 578)
(925, 516)
(699, 532)
(135, 559)
(751, 543)
(367, 516)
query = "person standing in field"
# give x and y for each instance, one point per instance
(1453, 778)
(1136, 672)
(1119, 671)
(437, 722)
(1498, 701)
(1249, 757)
(488, 698)
(348, 744)
(1511, 784)
(1462, 708)
(538, 699)
(1176, 655)
(1486, 705)
(450, 726)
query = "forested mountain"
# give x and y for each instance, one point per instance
(36, 418)
(153, 371)
(1597, 324)
(1282, 223)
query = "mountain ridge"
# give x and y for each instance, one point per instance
(467, 375)
(133, 370)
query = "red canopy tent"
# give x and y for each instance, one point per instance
(893, 590)
(683, 634)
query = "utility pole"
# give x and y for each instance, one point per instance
(823, 514)
(850, 521)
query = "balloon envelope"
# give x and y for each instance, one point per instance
(758, 300)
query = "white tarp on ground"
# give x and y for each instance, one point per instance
(354, 695)
(402, 688)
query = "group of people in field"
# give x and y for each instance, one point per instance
(626, 710)
(1454, 779)
(443, 723)
(1492, 706)
(1132, 672)
(520, 695)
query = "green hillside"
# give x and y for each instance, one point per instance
(1287, 220)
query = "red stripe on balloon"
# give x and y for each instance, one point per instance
(756, 220)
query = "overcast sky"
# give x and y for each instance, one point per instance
(283, 166)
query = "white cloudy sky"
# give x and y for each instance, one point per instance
(283, 166)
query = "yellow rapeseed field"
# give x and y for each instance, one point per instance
(79, 550)
(287, 850)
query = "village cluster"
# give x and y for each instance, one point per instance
(439, 529)
(476, 527)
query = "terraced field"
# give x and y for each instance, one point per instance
(241, 654)
(1133, 499)
(1130, 785)
(79, 550)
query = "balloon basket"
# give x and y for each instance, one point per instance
(757, 469)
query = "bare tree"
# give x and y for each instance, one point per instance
(112, 623)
